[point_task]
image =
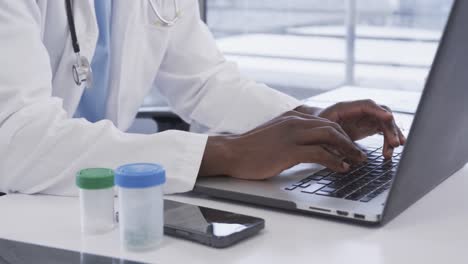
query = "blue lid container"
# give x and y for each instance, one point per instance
(139, 175)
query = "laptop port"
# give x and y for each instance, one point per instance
(359, 216)
(320, 209)
(342, 213)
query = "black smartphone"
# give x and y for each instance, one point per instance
(208, 226)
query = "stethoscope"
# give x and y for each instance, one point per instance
(81, 69)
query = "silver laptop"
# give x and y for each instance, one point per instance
(379, 190)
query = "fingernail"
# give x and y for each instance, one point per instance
(345, 165)
(363, 155)
(390, 151)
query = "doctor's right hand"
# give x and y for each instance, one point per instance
(282, 143)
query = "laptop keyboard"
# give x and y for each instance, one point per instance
(362, 183)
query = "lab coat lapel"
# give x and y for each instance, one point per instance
(87, 30)
(138, 47)
(87, 33)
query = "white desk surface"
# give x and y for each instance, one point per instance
(401, 101)
(431, 231)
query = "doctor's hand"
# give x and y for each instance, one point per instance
(360, 119)
(286, 141)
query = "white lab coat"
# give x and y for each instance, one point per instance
(42, 146)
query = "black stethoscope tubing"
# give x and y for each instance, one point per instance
(81, 69)
(71, 26)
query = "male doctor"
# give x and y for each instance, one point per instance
(50, 127)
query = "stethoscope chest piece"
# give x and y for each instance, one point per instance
(81, 69)
(82, 72)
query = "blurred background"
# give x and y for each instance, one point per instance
(307, 47)
(300, 46)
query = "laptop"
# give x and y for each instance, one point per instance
(379, 190)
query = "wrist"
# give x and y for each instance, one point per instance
(315, 111)
(218, 156)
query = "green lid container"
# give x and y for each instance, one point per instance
(95, 178)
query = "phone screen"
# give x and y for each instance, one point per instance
(206, 221)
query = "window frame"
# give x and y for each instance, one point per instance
(350, 24)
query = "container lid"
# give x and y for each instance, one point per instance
(140, 175)
(95, 178)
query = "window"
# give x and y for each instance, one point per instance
(304, 47)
